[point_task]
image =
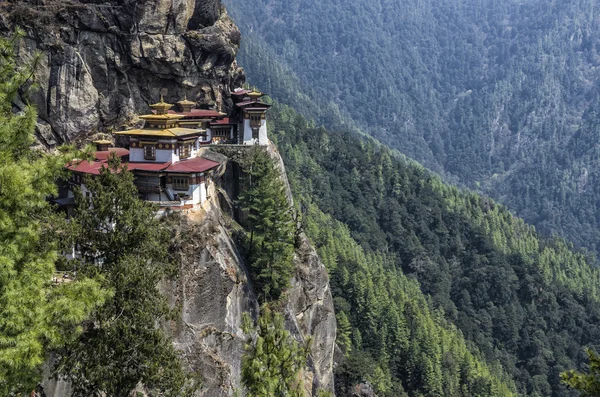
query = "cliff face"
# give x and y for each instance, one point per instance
(213, 291)
(101, 62)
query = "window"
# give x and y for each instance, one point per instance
(180, 183)
(149, 152)
(255, 120)
(255, 132)
(186, 150)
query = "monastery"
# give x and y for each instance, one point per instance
(163, 154)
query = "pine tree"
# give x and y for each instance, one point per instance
(588, 384)
(270, 225)
(273, 359)
(344, 333)
(124, 244)
(34, 315)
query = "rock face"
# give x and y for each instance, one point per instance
(101, 62)
(310, 309)
(213, 291)
(220, 292)
(363, 390)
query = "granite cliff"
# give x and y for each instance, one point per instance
(214, 290)
(102, 61)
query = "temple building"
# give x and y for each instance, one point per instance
(251, 117)
(163, 157)
(246, 126)
(163, 153)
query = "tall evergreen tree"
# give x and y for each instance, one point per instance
(273, 358)
(122, 242)
(34, 315)
(270, 225)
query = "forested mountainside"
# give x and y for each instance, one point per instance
(524, 304)
(499, 95)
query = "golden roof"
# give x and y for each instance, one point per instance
(161, 106)
(185, 101)
(255, 94)
(169, 132)
(162, 117)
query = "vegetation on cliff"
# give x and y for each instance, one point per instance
(100, 321)
(524, 302)
(35, 314)
(273, 358)
(269, 224)
(588, 383)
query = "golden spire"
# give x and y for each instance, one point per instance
(185, 101)
(161, 107)
(255, 94)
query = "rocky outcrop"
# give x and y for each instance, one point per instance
(102, 62)
(363, 390)
(212, 292)
(310, 314)
(310, 311)
(308, 308)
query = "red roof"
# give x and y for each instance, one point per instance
(192, 165)
(86, 167)
(184, 166)
(93, 167)
(224, 121)
(147, 166)
(253, 102)
(103, 155)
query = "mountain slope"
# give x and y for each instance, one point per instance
(490, 94)
(529, 303)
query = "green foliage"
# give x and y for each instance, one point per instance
(344, 332)
(406, 345)
(527, 304)
(273, 359)
(269, 223)
(497, 95)
(122, 241)
(588, 384)
(34, 315)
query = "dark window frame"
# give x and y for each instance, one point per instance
(149, 151)
(181, 183)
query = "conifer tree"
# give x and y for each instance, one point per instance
(273, 358)
(588, 384)
(270, 225)
(344, 333)
(122, 241)
(34, 315)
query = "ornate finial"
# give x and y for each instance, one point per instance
(161, 107)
